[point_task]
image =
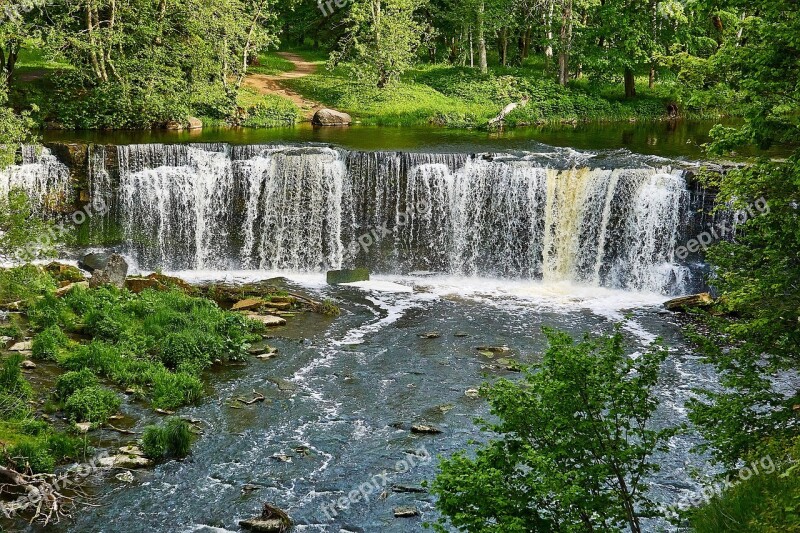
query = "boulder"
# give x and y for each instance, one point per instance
(27, 364)
(335, 277)
(272, 520)
(693, 301)
(331, 117)
(24, 346)
(283, 384)
(174, 125)
(194, 123)
(94, 261)
(113, 273)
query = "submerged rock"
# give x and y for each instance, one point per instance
(283, 385)
(123, 460)
(494, 349)
(24, 346)
(430, 335)
(28, 364)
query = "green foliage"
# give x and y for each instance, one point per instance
(572, 446)
(92, 404)
(24, 282)
(270, 64)
(72, 381)
(48, 343)
(172, 439)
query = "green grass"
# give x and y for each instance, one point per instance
(764, 503)
(446, 95)
(266, 110)
(270, 64)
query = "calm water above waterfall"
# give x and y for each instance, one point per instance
(490, 246)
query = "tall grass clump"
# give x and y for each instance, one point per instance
(173, 439)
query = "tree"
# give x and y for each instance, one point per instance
(382, 39)
(572, 448)
(754, 339)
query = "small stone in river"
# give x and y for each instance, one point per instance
(426, 430)
(446, 408)
(250, 488)
(472, 393)
(460, 334)
(83, 427)
(126, 476)
(405, 512)
(494, 349)
(24, 346)
(28, 364)
(430, 335)
(282, 457)
(406, 488)
(268, 320)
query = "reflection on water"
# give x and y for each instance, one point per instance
(678, 138)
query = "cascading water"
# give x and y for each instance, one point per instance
(214, 206)
(45, 180)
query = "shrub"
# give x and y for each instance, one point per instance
(11, 379)
(72, 381)
(172, 439)
(171, 391)
(92, 404)
(48, 343)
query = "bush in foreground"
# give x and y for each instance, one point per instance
(573, 447)
(92, 404)
(173, 439)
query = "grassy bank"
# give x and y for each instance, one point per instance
(445, 95)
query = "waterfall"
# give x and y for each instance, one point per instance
(44, 179)
(214, 206)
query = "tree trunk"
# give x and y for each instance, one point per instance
(630, 83)
(652, 81)
(565, 39)
(482, 40)
(503, 46)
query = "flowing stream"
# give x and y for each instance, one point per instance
(484, 249)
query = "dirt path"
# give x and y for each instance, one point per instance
(273, 84)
